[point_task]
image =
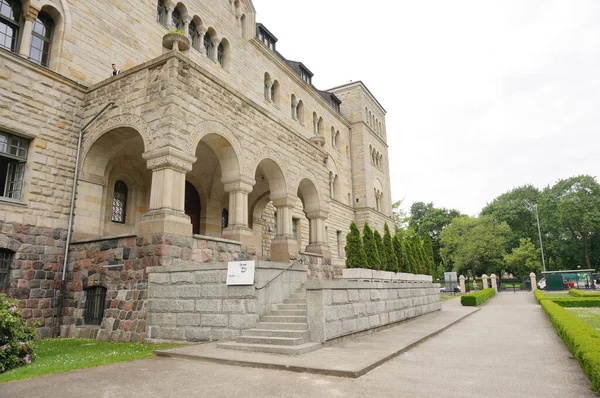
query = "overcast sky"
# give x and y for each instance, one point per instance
(482, 96)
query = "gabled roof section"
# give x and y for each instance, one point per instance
(361, 84)
(262, 27)
(298, 67)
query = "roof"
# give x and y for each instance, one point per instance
(572, 271)
(359, 82)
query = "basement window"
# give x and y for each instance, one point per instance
(95, 298)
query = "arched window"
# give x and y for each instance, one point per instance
(224, 219)
(294, 107)
(194, 35)
(336, 139)
(161, 13)
(176, 19)
(119, 207)
(332, 137)
(300, 111)
(41, 39)
(275, 92)
(267, 86)
(11, 15)
(221, 55)
(321, 128)
(243, 25)
(315, 124)
(208, 45)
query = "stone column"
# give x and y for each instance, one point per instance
(25, 44)
(484, 280)
(186, 26)
(170, 8)
(284, 247)
(294, 109)
(215, 41)
(533, 282)
(201, 34)
(317, 236)
(268, 86)
(494, 284)
(238, 210)
(167, 195)
(461, 280)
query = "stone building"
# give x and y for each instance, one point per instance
(203, 150)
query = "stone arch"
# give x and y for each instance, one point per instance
(308, 193)
(255, 161)
(225, 48)
(230, 152)
(275, 178)
(121, 121)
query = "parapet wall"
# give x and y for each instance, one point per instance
(339, 308)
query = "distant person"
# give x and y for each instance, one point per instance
(115, 70)
(528, 284)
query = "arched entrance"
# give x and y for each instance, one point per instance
(192, 206)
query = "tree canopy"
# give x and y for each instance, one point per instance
(524, 259)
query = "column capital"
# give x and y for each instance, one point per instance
(317, 214)
(170, 5)
(169, 158)
(243, 184)
(187, 19)
(31, 14)
(288, 201)
(215, 40)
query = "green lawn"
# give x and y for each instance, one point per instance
(62, 355)
(446, 297)
(589, 315)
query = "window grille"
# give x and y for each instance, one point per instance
(41, 39)
(6, 257)
(10, 23)
(95, 298)
(119, 207)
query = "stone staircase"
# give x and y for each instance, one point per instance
(283, 331)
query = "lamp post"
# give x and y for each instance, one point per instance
(535, 206)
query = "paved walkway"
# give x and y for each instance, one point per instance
(508, 349)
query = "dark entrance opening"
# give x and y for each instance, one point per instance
(192, 206)
(95, 298)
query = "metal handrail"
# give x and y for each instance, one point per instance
(279, 274)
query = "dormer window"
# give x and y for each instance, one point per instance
(266, 37)
(304, 75)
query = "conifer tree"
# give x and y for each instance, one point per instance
(388, 247)
(355, 253)
(397, 243)
(380, 250)
(373, 258)
(428, 249)
(412, 257)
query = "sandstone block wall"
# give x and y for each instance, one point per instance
(341, 308)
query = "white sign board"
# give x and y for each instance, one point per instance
(240, 273)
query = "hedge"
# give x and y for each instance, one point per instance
(539, 295)
(582, 339)
(477, 298)
(575, 301)
(579, 293)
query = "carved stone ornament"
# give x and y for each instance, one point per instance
(169, 158)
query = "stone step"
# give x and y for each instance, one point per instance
(297, 295)
(273, 349)
(282, 312)
(295, 301)
(291, 306)
(282, 326)
(284, 319)
(277, 333)
(271, 340)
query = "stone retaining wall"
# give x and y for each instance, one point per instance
(193, 302)
(338, 308)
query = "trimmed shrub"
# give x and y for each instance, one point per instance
(582, 339)
(16, 349)
(373, 258)
(539, 295)
(355, 254)
(579, 293)
(477, 298)
(575, 301)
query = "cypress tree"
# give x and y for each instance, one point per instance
(388, 247)
(406, 256)
(412, 255)
(380, 250)
(428, 249)
(373, 258)
(397, 243)
(355, 253)
(421, 266)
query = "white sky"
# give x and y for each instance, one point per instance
(482, 95)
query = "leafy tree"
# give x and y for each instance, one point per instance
(425, 218)
(380, 250)
(524, 259)
(475, 244)
(428, 250)
(515, 207)
(397, 243)
(572, 209)
(401, 218)
(388, 248)
(355, 254)
(373, 258)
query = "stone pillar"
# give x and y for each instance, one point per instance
(284, 247)
(25, 44)
(186, 26)
(170, 8)
(461, 280)
(533, 282)
(317, 234)
(238, 210)
(268, 86)
(215, 41)
(484, 280)
(294, 109)
(167, 195)
(494, 283)
(201, 34)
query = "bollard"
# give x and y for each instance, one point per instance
(494, 284)
(484, 280)
(533, 283)
(461, 279)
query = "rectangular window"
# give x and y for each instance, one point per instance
(94, 305)
(6, 257)
(13, 157)
(295, 228)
